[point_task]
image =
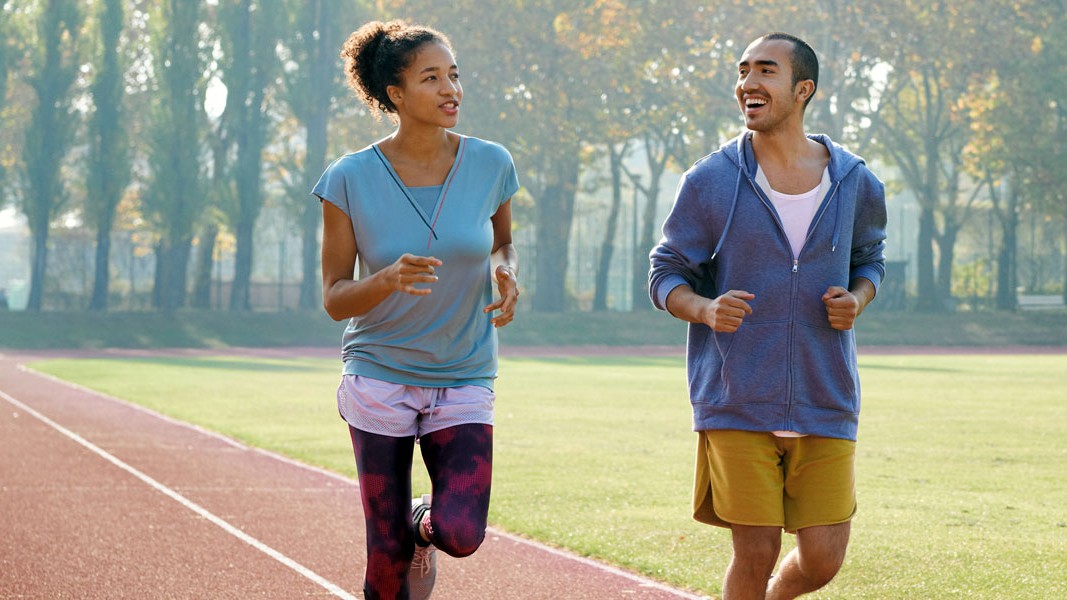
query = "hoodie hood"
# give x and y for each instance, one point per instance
(739, 151)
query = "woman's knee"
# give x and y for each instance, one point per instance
(458, 541)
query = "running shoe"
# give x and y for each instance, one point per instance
(423, 572)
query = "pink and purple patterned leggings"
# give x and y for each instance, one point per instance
(460, 463)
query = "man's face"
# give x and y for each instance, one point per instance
(765, 90)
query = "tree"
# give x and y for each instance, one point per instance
(175, 194)
(923, 128)
(1023, 96)
(249, 38)
(646, 58)
(524, 86)
(8, 54)
(55, 59)
(109, 165)
(311, 85)
(616, 153)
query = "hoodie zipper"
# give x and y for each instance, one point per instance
(795, 279)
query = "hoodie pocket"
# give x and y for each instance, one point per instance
(754, 369)
(824, 369)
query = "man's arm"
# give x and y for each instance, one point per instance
(724, 314)
(843, 306)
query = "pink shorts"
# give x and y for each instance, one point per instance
(399, 410)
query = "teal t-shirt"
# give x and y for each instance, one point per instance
(442, 339)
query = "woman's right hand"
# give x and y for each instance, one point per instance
(408, 270)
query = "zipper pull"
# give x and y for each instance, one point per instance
(794, 265)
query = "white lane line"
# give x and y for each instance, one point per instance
(641, 580)
(196, 508)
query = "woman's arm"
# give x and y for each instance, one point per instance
(505, 264)
(342, 295)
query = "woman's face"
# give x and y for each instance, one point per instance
(430, 90)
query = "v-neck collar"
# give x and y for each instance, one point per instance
(430, 220)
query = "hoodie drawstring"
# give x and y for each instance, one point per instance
(837, 219)
(742, 161)
(729, 216)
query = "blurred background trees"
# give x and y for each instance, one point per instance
(158, 154)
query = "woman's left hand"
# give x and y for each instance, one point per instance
(509, 296)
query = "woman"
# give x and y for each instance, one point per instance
(426, 213)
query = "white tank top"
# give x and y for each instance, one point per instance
(795, 210)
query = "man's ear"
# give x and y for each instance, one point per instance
(805, 90)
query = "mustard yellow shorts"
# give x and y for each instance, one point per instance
(759, 479)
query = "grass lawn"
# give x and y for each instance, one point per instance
(962, 460)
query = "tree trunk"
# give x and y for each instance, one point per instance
(171, 274)
(311, 281)
(101, 268)
(1007, 276)
(160, 277)
(172, 261)
(1065, 262)
(555, 212)
(946, 244)
(240, 296)
(315, 160)
(1006, 298)
(39, 261)
(205, 263)
(607, 247)
(641, 301)
(927, 298)
(311, 212)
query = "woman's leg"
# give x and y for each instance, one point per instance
(384, 465)
(460, 462)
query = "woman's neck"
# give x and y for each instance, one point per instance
(421, 144)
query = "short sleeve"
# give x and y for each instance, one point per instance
(511, 179)
(332, 187)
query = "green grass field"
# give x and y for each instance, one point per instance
(962, 460)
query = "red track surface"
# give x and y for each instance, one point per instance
(102, 499)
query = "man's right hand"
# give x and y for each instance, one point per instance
(726, 313)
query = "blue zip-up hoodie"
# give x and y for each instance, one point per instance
(785, 368)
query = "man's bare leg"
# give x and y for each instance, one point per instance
(815, 561)
(755, 553)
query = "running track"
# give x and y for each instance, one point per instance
(102, 499)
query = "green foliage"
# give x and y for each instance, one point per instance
(175, 194)
(249, 35)
(54, 65)
(959, 463)
(12, 51)
(956, 95)
(109, 163)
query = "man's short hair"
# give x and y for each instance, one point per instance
(804, 62)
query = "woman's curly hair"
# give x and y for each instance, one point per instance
(376, 54)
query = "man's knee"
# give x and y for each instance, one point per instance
(821, 552)
(757, 546)
(819, 570)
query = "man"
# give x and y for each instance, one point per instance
(773, 248)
